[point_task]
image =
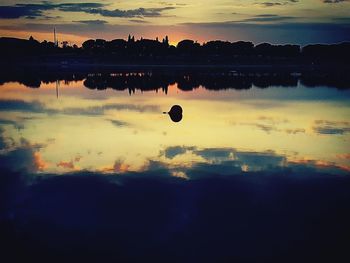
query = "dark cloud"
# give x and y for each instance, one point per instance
(140, 12)
(119, 123)
(230, 161)
(260, 161)
(269, 124)
(342, 19)
(280, 32)
(33, 11)
(38, 107)
(100, 110)
(331, 127)
(173, 151)
(21, 158)
(267, 18)
(36, 10)
(270, 4)
(92, 22)
(138, 21)
(24, 10)
(295, 131)
(334, 1)
(20, 105)
(17, 125)
(278, 3)
(215, 153)
(3, 143)
(330, 130)
(246, 161)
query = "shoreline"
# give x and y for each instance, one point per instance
(83, 67)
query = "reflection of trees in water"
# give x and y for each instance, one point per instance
(186, 81)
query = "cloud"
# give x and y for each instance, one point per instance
(23, 157)
(20, 105)
(215, 153)
(66, 165)
(326, 127)
(92, 22)
(119, 123)
(342, 19)
(120, 166)
(271, 124)
(15, 124)
(334, 1)
(140, 12)
(32, 11)
(267, 18)
(301, 33)
(230, 161)
(278, 3)
(226, 160)
(173, 151)
(138, 21)
(100, 110)
(3, 142)
(294, 131)
(38, 107)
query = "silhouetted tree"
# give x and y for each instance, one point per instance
(89, 44)
(186, 51)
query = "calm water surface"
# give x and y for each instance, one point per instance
(68, 126)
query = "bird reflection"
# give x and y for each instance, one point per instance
(175, 113)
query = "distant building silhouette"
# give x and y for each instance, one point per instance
(187, 51)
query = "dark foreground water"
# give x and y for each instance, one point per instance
(256, 170)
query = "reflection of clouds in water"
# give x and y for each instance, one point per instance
(15, 124)
(3, 142)
(24, 157)
(119, 123)
(70, 165)
(39, 107)
(119, 166)
(345, 156)
(326, 127)
(100, 110)
(294, 131)
(318, 165)
(172, 151)
(66, 165)
(271, 124)
(232, 161)
(20, 105)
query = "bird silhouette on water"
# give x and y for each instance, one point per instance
(175, 113)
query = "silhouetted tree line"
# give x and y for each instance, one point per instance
(187, 51)
(185, 80)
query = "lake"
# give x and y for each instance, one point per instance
(233, 123)
(96, 167)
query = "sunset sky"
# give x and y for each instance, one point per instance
(286, 21)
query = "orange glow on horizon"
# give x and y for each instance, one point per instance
(41, 36)
(174, 37)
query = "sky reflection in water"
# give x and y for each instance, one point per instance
(227, 131)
